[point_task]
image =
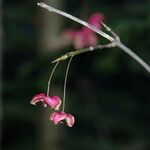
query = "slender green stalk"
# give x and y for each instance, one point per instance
(50, 78)
(66, 75)
(69, 54)
(77, 52)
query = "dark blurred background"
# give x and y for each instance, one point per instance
(107, 92)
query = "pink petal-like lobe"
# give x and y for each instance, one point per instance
(53, 101)
(96, 19)
(37, 98)
(70, 120)
(84, 39)
(52, 116)
(57, 102)
(57, 117)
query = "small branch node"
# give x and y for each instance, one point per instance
(64, 57)
(42, 4)
(112, 44)
(112, 32)
(91, 48)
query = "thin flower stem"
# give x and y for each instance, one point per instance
(50, 78)
(105, 35)
(66, 75)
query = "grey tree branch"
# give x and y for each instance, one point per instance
(105, 35)
(62, 13)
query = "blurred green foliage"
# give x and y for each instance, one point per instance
(107, 91)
